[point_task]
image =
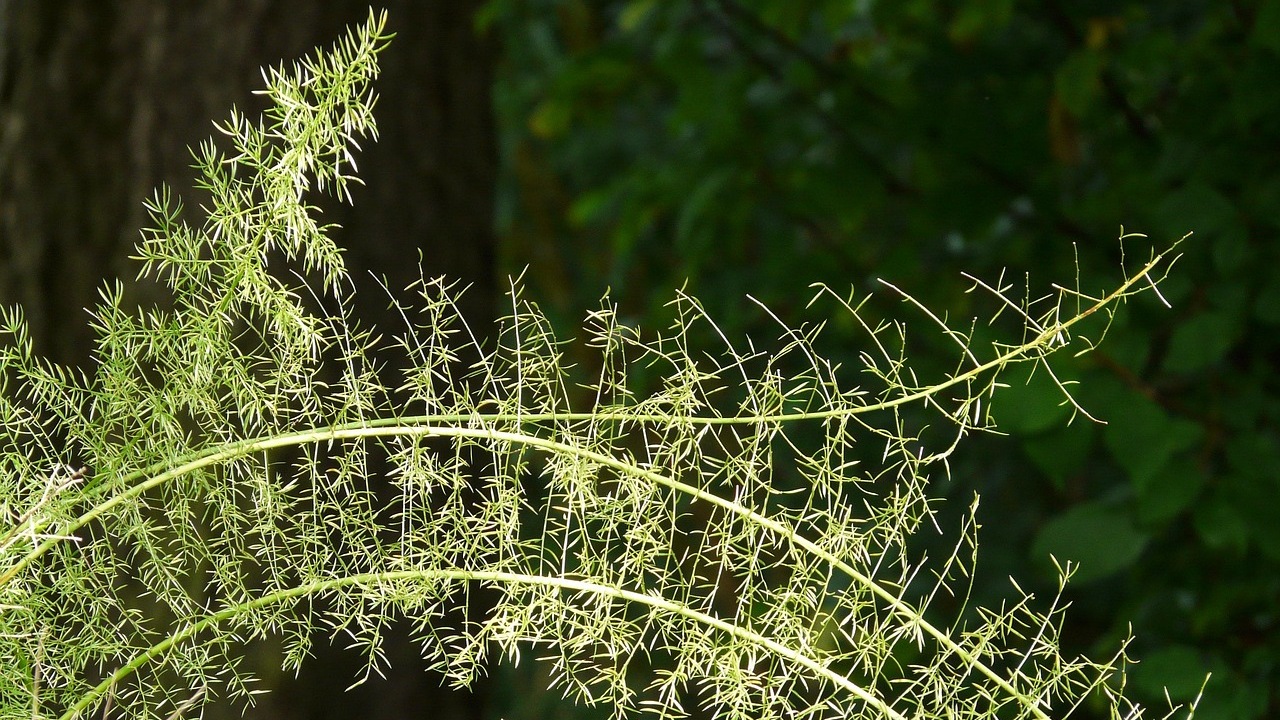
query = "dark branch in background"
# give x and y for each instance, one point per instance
(823, 68)
(1137, 125)
(1055, 218)
(1115, 95)
(729, 7)
(894, 184)
(830, 73)
(1244, 15)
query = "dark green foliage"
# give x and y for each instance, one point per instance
(755, 146)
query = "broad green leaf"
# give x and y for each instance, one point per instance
(1200, 342)
(1220, 525)
(591, 205)
(635, 13)
(550, 119)
(1062, 452)
(1253, 486)
(1266, 306)
(1179, 669)
(1266, 25)
(1076, 81)
(975, 18)
(695, 209)
(1097, 536)
(1032, 403)
(1142, 437)
(1202, 209)
(1233, 696)
(1169, 491)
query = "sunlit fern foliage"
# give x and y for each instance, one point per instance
(737, 535)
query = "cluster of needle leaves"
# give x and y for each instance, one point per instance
(735, 535)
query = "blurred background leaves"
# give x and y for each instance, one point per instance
(741, 147)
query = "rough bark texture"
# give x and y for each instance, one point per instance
(98, 103)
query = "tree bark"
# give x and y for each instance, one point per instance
(98, 104)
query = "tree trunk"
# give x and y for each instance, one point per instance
(98, 103)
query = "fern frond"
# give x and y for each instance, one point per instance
(739, 531)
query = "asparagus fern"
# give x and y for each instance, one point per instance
(214, 477)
